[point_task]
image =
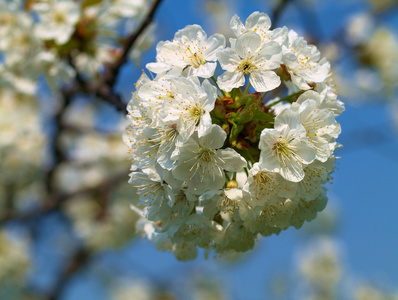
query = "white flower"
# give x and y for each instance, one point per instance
(202, 166)
(191, 106)
(193, 229)
(18, 42)
(316, 173)
(150, 230)
(259, 23)
(303, 63)
(269, 218)
(320, 265)
(250, 57)
(152, 95)
(225, 201)
(359, 27)
(235, 237)
(91, 63)
(266, 187)
(185, 251)
(57, 20)
(327, 97)
(54, 69)
(143, 150)
(125, 8)
(307, 210)
(190, 51)
(285, 149)
(154, 193)
(184, 203)
(17, 81)
(14, 259)
(319, 124)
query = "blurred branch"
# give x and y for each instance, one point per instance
(9, 199)
(55, 146)
(76, 263)
(54, 202)
(278, 10)
(310, 21)
(105, 87)
(90, 130)
(110, 75)
(104, 90)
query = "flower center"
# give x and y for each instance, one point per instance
(59, 17)
(227, 204)
(283, 150)
(197, 60)
(262, 178)
(206, 155)
(197, 112)
(246, 66)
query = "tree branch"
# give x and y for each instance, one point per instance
(111, 73)
(105, 87)
(278, 10)
(54, 201)
(78, 260)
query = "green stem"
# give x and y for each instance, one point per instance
(251, 158)
(247, 89)
(263, 95)
(215, 82)
(287, 98)
(234, 176)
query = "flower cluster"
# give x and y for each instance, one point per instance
(215, 163)
(57, 38)
(15, 264)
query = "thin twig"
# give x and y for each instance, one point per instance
(55, 144)
(112, 71)
(105, 87)
(78, 260)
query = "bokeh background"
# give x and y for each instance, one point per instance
(66, 228)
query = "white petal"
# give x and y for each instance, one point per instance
(309, 95)
(229, 59)
(258, 22)
(305, 152)
(264, 81)
(158, 67)
(270, 56)
(247, 44)
(191, 33)
(287, 117)
(211, 93)
(230, 80)
(234, 162)
(175, 54)
(214, 138)
(214, 44)
(204, 71)
(293, 171)
(236, 25)
(204, 125)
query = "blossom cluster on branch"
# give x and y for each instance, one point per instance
(215, 164)
(62, 38)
